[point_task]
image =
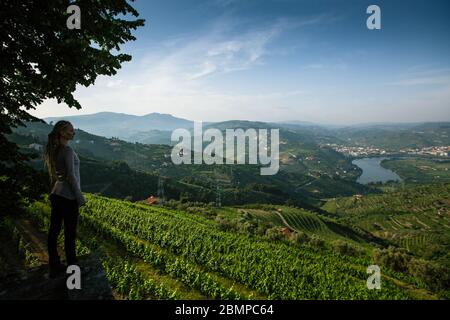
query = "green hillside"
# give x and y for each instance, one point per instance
(309, 232)
(394, 137)
(420, 170)
(307, 173)
(175, 254)
(256, 219)
(414, 218)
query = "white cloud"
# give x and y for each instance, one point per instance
(182, 76)
(424, 77)
(174, 77)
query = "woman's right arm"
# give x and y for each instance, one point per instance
(70, 176)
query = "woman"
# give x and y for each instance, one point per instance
(63, 166)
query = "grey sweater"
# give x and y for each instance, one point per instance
(68, 174)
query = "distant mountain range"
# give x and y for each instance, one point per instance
(309, 170)
(125, 126)
(156, 128)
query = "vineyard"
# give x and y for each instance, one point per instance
(417, 219)
(156, 253)
(308, 222)
(420, 170)
(302, 220)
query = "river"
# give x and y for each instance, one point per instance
(372, 171)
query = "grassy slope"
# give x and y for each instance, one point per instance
(416, 218)
(300, 220)
(327, 257)
(420, 170)
(302, 162)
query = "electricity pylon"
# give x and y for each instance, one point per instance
(160, 192)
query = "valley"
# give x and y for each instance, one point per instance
(227, 232)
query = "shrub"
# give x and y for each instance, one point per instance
(345, 248)
(299, 237)
(224, 224)
(316, 242)
(274, 233)
(396, 259)
(247, 215)
(261, 229)
(436, 277)
(247, 227)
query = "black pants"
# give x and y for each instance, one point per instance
(65, 210)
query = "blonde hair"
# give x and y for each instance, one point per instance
(52, 147)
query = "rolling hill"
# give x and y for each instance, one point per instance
(415, 218)
(307, 174)
(127, 127)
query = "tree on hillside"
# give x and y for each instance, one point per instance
(41, 58)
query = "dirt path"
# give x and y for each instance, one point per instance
(284, 221)
(35, 282)
(37, 239)
(427, 227)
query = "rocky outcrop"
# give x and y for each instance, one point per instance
(35, 284)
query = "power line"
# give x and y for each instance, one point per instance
(160, 192)
(218, 191)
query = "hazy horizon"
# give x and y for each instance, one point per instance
(292, 121)
(312, 61)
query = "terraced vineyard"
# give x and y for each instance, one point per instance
(305, 221)
(417, 219)
(311, 223)
(192, 251)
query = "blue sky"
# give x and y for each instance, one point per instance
(279, 60)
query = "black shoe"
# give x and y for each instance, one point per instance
(56, 270)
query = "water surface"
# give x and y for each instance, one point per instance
(372, 171)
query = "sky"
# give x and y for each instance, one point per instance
(280, 60)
